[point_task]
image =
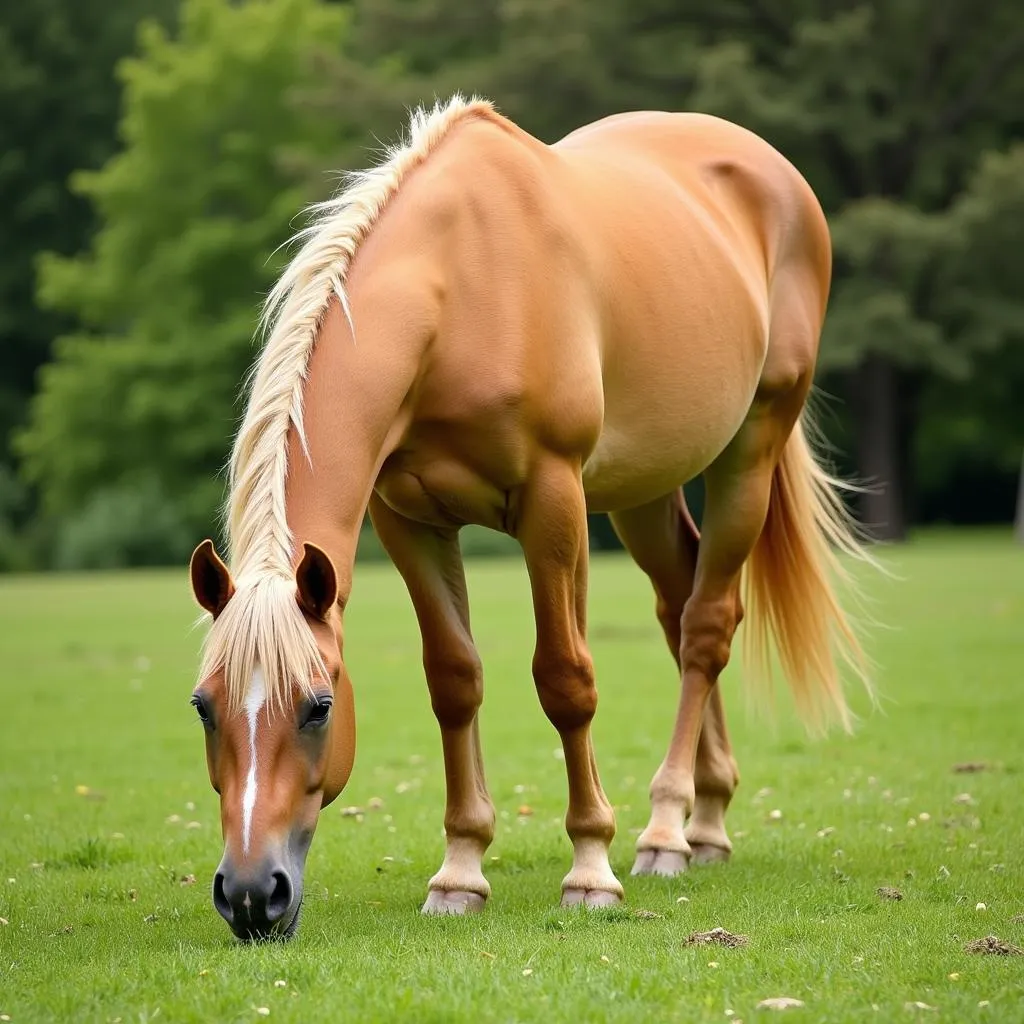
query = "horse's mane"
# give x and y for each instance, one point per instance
(262, 623)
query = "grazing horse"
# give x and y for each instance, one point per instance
(486, 329)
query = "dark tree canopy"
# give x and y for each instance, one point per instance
(147, 206)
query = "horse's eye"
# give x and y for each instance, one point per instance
(204, 715)
(317, 713)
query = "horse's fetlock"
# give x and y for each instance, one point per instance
(474, 820)
(598, 823)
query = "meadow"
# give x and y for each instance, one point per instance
(109, 831)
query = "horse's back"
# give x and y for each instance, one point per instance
(700, 192)
(744, 194)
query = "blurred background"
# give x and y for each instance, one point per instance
(155, 153)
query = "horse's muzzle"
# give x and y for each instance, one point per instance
(259, 902)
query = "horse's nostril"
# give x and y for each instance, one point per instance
(280, 897)
(220, 900)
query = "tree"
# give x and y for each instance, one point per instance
(981, 300)
(884, 107)
(191, 212)
(59, 99)
(1019, 520)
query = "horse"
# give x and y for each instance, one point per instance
(487, 329)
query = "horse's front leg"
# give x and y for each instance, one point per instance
(553, 532)
(431, 565)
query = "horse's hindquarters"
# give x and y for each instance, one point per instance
(679, 220)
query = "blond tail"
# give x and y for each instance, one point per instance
(788, 586)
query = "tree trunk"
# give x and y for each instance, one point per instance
(1019, 521)
(879, 445)
(908, 392)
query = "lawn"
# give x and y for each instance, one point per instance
(106, 817)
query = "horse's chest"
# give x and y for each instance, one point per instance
(440, 492)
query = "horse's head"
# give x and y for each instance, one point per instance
(276, 708)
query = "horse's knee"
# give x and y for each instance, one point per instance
(455, 680)
(566, 688)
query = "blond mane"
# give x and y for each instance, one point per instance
(262, 624)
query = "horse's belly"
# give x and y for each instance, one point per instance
(632, 467)
(680, 367)
(667, 420)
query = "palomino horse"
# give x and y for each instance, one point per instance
(485, 329)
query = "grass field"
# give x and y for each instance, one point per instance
(98, 926)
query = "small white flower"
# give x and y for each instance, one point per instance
(780, 1003)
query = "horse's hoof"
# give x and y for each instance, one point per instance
(455, 901)
(664, 863)
(705, 853)
(590, 898)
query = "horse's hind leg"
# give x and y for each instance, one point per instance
(738, 491)
(716, 778)
(431, 565)
(663, 541)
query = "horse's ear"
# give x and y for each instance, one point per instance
(317, 582)
(211, 580)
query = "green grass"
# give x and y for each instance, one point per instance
(96, 673)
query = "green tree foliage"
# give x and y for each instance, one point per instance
(976, 423)
(983, 299)
(59, 101)
(192, 210)
(884, 107)
(901, 116)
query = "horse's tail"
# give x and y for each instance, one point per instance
(789, 585)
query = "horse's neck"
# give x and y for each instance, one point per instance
(354, 416)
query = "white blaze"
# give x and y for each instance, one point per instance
(254, 701)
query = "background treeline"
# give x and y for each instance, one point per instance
(154, 154)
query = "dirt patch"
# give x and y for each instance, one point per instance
(993, 946)
(970, 767)
(646, 915)
(716, 937)
(886, 892)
